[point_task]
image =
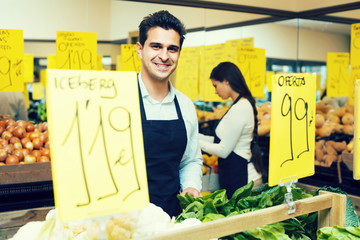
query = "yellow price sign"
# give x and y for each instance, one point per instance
(38, 91)
(11, 60)
(356, 172)
(252, 63)
(231, 47)
(187, 72)
(129, 59)
(76, 50)
(269, 75)
(98, 162)
(43, 77)
(26, 95)
(354, 59)
(210, 57)
(51, 61)
(318, 81)
(292, 140)
(28, 68)
(338, 78)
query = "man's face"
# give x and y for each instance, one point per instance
(160, 53)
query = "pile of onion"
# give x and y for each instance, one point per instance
(23, 142)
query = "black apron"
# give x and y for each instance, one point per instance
(233, 170)
(164, 145)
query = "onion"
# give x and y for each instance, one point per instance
(36, 153)
(12, 159)
(6, 135)
(19, 132)
(29, 145)
(3, 155)
(37, 143)
(14, 139)
(24, 141)
(18, 145)
(21, 123)
(29, 159)
(19, 154)
(43, 159)
(30, 127)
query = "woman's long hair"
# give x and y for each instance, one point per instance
(231, 73)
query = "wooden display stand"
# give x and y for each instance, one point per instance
(331, 208)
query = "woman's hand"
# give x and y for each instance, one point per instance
(192, 192)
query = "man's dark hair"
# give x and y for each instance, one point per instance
(162, 19)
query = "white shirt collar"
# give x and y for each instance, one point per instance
(145, 94)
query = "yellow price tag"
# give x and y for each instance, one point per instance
(210, 57)
(28, 68)
(252, 63)
(26, 95)
(129, 60)
(43, 77)
(356, 172)
(76, 50)
(38, 91)
(51, 62)
(354, 59)
(99, 64)
(269, 75)
(338, 78)
(231, 47)
(292, 140)
(187, 72)
(318, 81)
(11, 60)
(98, 163)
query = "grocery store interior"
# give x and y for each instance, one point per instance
(296, 37)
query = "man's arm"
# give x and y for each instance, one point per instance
(191, 164)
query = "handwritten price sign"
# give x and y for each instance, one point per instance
(129, 60)
(252, 63)
(11, 60)
(354, 59)
(292, 140)
(76, 50)
(96, 143)
(338, 78)
(356, 172)
(210, 57)
(187, 73)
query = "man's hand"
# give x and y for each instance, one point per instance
(192, 192)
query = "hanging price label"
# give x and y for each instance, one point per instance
(76, 50)
(98, 161)
(11, 60)
(292, 138)
(252, 63)
(356, 172)
(129, 59)
(187, 72)
(354, 59)
(338, 78)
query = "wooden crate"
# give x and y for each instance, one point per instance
(331, 208)
(25, 173)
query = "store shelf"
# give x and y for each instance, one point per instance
(331, 207)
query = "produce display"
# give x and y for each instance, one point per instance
(209, 161)
(23, 142)
(206, 114)
(152, 220)
(334, 131)
(245, 199)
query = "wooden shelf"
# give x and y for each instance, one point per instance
(331, 208)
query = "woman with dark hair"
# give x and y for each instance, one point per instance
(235, 141)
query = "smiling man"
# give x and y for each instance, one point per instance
(169, 121)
